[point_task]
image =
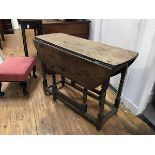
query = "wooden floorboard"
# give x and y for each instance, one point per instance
(38, 114)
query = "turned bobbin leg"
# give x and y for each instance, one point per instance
(63, 80)
(44, 79)
(118, 97)
(34, 72)
(54, 87)
(1, 93)
(84, 105)
(101, 104)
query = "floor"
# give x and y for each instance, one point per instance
(37, 114)
(149, 112)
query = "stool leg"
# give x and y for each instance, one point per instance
(34, 72)
(24, 84)
(1, 93)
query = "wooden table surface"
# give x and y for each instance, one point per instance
(56, 21)
(98, 51)
(86, 63)
(38, 114)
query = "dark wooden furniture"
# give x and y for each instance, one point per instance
(0, 44)
(79, 28)
(17, 69)
(7, 26)
(30, 24)
(2, 34)
(84, 65)
(2, 31)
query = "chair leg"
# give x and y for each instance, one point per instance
(34, 72)
(24, 84)
(1, 93)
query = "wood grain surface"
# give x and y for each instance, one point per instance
(97, 51)
(38, 114)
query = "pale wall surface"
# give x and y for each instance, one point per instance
(15, 24)
(137, 35)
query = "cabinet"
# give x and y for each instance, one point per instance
(79, 28)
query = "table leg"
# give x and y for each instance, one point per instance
(44, 82)
(35, 32)
(84, 105)
(34, 72)
(24, 42)
(100, 118)
(24, 84)
(2, 31)
(63, 80)
(118, 97)
(2, 35)
(54, 87)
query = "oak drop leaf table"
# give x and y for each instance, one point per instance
(84, 65)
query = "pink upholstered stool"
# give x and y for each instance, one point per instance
(17, 69)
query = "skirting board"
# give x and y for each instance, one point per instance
(132, 107)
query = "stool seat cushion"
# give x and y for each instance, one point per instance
(16, 68)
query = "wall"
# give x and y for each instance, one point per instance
(15, 24)
(137, 35)
(95, 29)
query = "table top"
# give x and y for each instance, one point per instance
(56, 21)
(94, 50)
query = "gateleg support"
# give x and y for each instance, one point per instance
(118, 97)
(100, 118)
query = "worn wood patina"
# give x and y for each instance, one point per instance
(84, 65)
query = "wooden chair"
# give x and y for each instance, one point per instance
(16, 69)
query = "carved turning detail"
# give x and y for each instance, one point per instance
(84, 105)
(85, 69)
(118, 97)
(54, 87)
(63, 80)
(101, 103)
(44, 82)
